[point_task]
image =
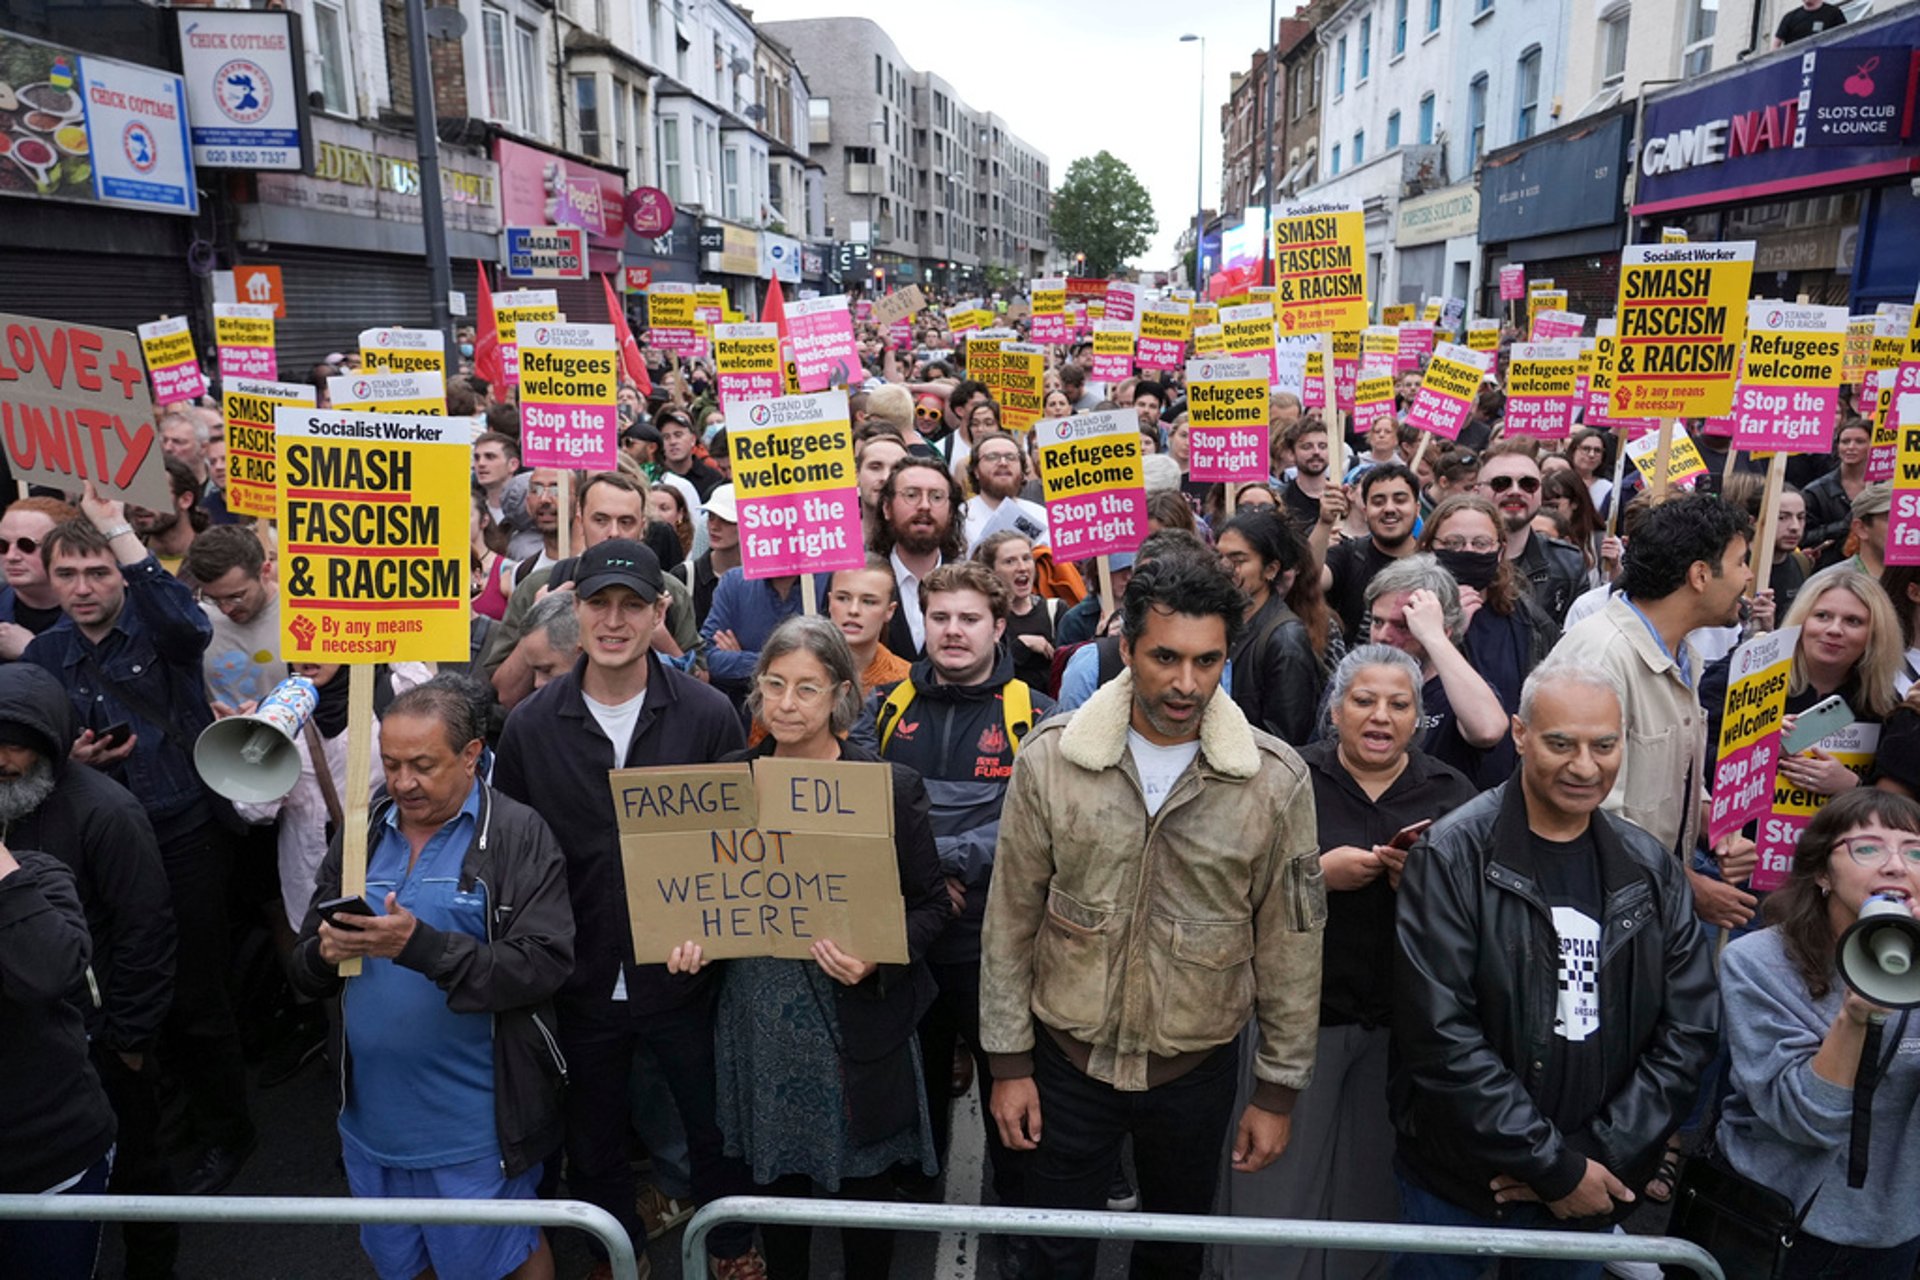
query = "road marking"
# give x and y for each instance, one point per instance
(957, 1255)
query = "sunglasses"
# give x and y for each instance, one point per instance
(27, 545)
(929, 414)
(1500, 484)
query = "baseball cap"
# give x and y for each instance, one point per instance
(721, 503)
(641, 431)
(618, 562)
(1874, 500)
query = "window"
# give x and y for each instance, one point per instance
(1393, 129)
(1476, 118)
(1527, 94)
(493, 34)
(1359, 146)
(730, 183)
(1481, 6)
(1426, 120)
(1399, 27)
(1319, 74)
(330, 39)
(666, 147)
(1340, 67)
(621, 158)
(1366, 47)
(1298, 96)
(527, 80)
(586, 109)
(1433, 16)
(1336, 159)
(879, 75)
(1703, 17)
(1613, 48)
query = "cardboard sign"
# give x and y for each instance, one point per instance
(1854, 746)
(1094, 482)
(513, 308)
(1320, 266)
(415, 393)
(1112, 351)
(636, 279)
(1749, 748)
(821, 330)
(761, 859)
(672, 325)
(546, 253)
(1684, 463)
(1447, 393)
(1050, 323)
(1513, 282)
(1541, 380)
(1163, 334)
(373, 510)
(747, 362)
(1227, 420)
(794, 479)
(243, 340)
(1483, 335)
(391, 350)
(569, 375)
(1209, 340)
(249, 405)
(1022, 386)
(171, 362)
(74, 407)
(901, 304)
(1789, 392)
(1682, 319)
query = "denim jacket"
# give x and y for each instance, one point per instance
(155, 647)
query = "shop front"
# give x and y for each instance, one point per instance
(542, 188)
(1437, 238)
(1810, 153)
(730, 256)
(348, 242)
(1553, 204)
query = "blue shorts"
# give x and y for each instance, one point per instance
(470, 1253)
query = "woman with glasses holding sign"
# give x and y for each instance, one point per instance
(1809, 1050)
(819, 1063)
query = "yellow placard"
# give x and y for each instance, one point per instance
(746, 349)
(1680, 323)
(1248, 328)
(1205, 313)
(417, 393)
(1022, 388)
(1165, 322)
(1227, 393)
(1483, 337)
(1397, 314)
(1430, 313)
(1320, 267)
(668, 310)
(242, 326)
(1785, 349)
(1527, 376)
(393, 350)
(163, 349)
(373, 513)
(1539, 300)
(1209, 340)
(248, 405)
(1683, 456)
(1115, 343)
(1372, 396)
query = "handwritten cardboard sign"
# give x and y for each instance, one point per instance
(74, 406)
(761, 859)
(901, 304)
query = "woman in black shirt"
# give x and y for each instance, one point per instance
(1029, 616)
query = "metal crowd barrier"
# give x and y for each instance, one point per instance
(334, 1211)
(1572, 1246)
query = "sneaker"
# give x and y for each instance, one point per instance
(304, 1044)
(217, 1167)
(1633, 1270)
(748, 1266)
(1121, 1197)
(660, 1212)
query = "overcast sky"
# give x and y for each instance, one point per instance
(1073, 79)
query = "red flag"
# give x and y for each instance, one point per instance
(774, 309)
(630, 357)
(488, 360)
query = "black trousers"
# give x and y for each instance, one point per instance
(865, 1253)
(598, 1039)
(1178, 1130)
(955, 1016)
(200, 1042)
(139, 1166)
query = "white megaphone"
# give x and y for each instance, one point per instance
(252, 758)
(1879, 954)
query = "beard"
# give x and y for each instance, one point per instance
(1001, 488)
(921, 542)
(20, 796)
(1165, 725)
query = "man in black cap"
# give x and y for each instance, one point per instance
(95, 826)
(622, 708)
(641, 442)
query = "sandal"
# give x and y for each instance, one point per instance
(1667, 1176)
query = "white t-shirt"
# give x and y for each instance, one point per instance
(617, 721)
(983, 518)
(1159, 767)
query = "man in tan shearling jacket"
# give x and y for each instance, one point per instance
(1157, 884)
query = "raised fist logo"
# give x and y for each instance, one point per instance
(303, 632)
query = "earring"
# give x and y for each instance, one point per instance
(1825, 890)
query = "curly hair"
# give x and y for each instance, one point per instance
(881, 538)
(1674, 536)
(1195, 585)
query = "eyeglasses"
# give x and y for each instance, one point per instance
(27, 545)
(929, 414)
(1500, 484)
(544, 490)
(1465, 544)
(986, 460)
(775, 690)
(1870, 853)
(932, 497)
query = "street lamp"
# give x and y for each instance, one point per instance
(1200, 164)
(1079, 264)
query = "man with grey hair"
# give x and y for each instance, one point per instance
(1413, 605)
(1519, 1101)
(186, 435)
(552, 642)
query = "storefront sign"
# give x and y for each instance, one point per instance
(1562, 182)
(779, 258)
(1439, 216)
(1094, 483)
(1786, 124)
(1228, 426)
(793, 474)
(1789, 392)
(74, 406)
(244, 88)
(738, 253)
(136, 125)
(364, 174)
(373, 509)
(541, 189)
(647, 211)
(568, 376)
(1682, 317)
(546, 253)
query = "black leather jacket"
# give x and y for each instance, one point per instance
(1475, 965)
(1557, 574)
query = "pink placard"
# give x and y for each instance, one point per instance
(1123, 303)
(248, 362)
(824, 351)
(1540, 417)
(173, 383)
(1513, 282)
(1781, 419)
(1051, 328)
(1886, 445)
(1159, 353)
(1229, 455)
(1549, 325)
(801, 533)
(1099, 524)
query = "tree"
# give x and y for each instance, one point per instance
(1101, 210)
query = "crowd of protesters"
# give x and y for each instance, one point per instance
(1346, 861)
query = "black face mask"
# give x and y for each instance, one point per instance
(1470, 568)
